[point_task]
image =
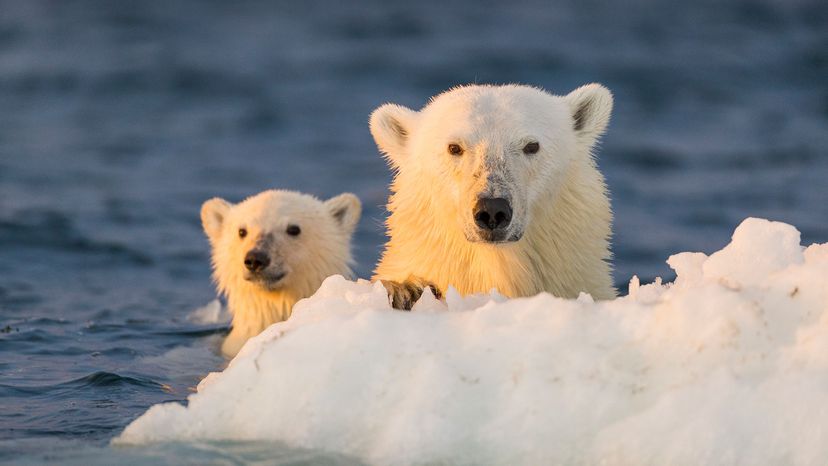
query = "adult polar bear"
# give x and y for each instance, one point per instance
(496, 187)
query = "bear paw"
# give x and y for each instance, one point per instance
(403, 295)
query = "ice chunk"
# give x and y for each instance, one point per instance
(688, 267)
(211, 313)
(758, 249)
(686, 373)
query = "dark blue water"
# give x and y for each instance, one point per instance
(117, 119)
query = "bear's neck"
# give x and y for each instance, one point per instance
(563, 251)
(256, 310)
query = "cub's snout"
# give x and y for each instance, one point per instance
(261, 269)
(256, 260)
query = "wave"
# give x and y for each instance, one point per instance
(99, 379)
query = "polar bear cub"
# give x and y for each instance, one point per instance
(496, 187)
(274, 249)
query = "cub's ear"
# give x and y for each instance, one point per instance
(346, 210)
(391, 126)
(590, 107)
(213, 213)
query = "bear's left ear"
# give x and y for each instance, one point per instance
(346, 210)
(213, 213)
(590, 107)
(391, 126)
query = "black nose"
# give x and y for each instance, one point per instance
(256, 260)
(492, 213)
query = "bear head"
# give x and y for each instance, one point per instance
(279, 240)
(490, 154)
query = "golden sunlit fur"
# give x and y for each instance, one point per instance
(562, 213)
(323, 248)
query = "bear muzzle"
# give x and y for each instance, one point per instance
(259, 268)
(492, 216)
(256, 260)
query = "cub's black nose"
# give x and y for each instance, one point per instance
(256, 261)
(492, 213)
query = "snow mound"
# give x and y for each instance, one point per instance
(727, 365)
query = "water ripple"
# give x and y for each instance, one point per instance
(50, 229)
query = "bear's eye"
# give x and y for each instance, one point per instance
(531, 148)
(455, 149)
(293, 230)
(242, 232)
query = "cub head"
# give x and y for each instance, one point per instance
(280, 240)
(490, 154)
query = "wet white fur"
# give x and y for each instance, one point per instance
(559, 197)
(323, 248)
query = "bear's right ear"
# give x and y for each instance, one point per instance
(213, 213)
(346, 210)
(391, 126)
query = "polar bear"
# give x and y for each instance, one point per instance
(496, 187)
(274, 249)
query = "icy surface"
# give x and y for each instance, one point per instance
(212, 313)
(727, 365)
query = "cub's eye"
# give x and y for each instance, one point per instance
(242, 232)
(293, 230)
(531, 148)
(455, 149)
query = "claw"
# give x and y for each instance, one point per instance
(403, 295)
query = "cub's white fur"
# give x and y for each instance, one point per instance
(558, 238)
(296, 263)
